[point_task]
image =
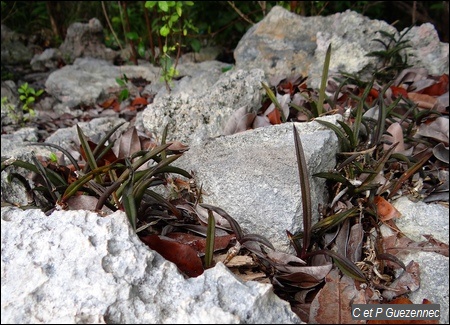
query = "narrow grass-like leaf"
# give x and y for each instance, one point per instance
(123, 177)
(91, 162)
(43, 174)
(295, 242)
(345, 143)
(128, 199)
(344, 264)
(64, 151)
(233, 223)
(349, 133)
(106, 138)
(274, 100)
(256, 238)
(75, 186)
(164, 202)
(335, 177)
(305, 190)
(323, 83)
(377, 168)
(409, 173)
(210, 239)
(360, 111)
(164, 139)
(381, 115)
(321, 227)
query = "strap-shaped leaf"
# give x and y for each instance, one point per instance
(332, 221)
(323, 82)
(233, 223)
(345, 265)
(274, 100)
(210, 239)
(64, 151)
(305, 190)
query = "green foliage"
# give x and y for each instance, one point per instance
(28, 96)
(172, 28)
(125, 92)
(393, 58)
(120, 184)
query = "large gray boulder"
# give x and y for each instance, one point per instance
(202, 102)
(253, 175)
(79, 268)
(284, 43)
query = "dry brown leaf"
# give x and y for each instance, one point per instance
(423, 100)
(395, 132)
(128, 143)
(407, 282)
(355, 242)
(385, 210)
(184, 256)
(177, 147)
(240, 121)
(283, 258)
(333, 304)
(437, 129)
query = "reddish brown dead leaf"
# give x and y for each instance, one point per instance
(441, 247)
(184, 256)
(177, 147)
(386, 211)
(108, 158)
(274, 117)
(108, 103)
(199, 243)
(333, 304)
(397, 91)
(439, 88)
(139, 101)
(423, 100)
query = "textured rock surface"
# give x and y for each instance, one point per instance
(77, 267)
(284, 43)
(253, 175)
(195, 111)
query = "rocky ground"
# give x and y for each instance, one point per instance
(109, 275)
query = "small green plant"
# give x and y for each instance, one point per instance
(392, 58)
(173, 29)
(124, 93)
(28, 96)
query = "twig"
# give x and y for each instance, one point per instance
(109, 24)
(231, 3)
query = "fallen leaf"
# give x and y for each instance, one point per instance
(241, 120)
(199, 243)
(423, 100)
(385, 210)
(408, 281)
(184, 256)
(395, 132)
(333, 303)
